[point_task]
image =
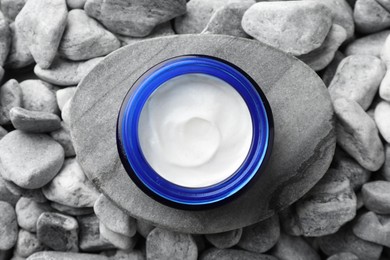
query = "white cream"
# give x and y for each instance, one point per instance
(195, 130)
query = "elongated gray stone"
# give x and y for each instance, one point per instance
(301, 128)
(368, 45)
(50, 255)
(34, 121)
(216, 254)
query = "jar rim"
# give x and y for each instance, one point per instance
(162, 190)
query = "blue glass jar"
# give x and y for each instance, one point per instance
(164, 191)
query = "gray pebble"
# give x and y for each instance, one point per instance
(382, 116)
(345, 241)
(8, 226)
(66, 73)
(376, 196)
(358, 78)
(290, 247)
(5, 39)
(125, 255)
(227, 19)
(374, 228)
(42, 23)
(10, 96)
(357, 134)
(226, 239)
(71, 187)
(58, 231)
(6, 195)
(118, 240)
(343, 256)
(319, 58)
(233, 254)
(34, 121)
(164, 244)
(62, 136)
(42, 158)
(368, 45)
(307, 23)
(370, 16)
(34, 194)
(71, 210)
(64, 95)
(136, 18)
(28, 212)
(84, 38)
(19, 55)
(144, 227)
(65, 256)
(262, 236)
(27, 244)
(122, 223)
(75, 4)
(89, 235)
(327, 206)
(38, 96)
(11, 8)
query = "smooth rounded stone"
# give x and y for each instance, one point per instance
(34, 121)
(42, 158)
(330, 70)
(358, 78)
(27, 244)
(10, 96)
(356, 174)
(84, 38)
(89, 235)
(144, 227)
(226, 239)
(38, 96)
(313, 138)
(135, 18)
(62, 136)
(343, 256)
(58, 231)
(6, 195)
(28, 212)
(227, 19)
(160, 30)
(65, 94)
(342, 14)
(122, 223)
(382, 116)
(262, 236)
(345, 241)
(233, 254)
(370, 16)
(376, 196)
(358, 135)
(65, 113)
(126, 255)
(51, 255)
(42, 23)
(368, 45)
(374, 228)
(71, 210)
(71, 187)
(8, 226)
(385, 170)
(118, 240)
(35, 194)
(319, 58)
(75, 4)
(11, 8)
(19, 55)
(165, 244)
(307, 24)
(291, 247)
(67, 73)
(327, 206)
(5, 39)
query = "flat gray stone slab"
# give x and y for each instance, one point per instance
(303, 118)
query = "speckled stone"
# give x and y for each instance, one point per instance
(216, 254)
(8, 226)
(368, 45)
(28, 212)
(135, 18)
(290, 247)
(27, 244)
(262, 236)
(34, 121)
(226, 239)
(38, 96)
(313, 138)
(164, 244)
(370, 16)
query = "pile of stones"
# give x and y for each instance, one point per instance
(50, 210)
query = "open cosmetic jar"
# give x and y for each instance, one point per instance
(194, 132)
